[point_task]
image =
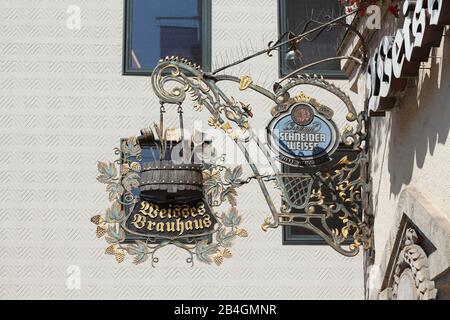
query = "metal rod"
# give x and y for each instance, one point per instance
(162, 138)
(283, 43)
(319, 62)
(180, 113)
(252, 86)
(162, 110)
(247, 156)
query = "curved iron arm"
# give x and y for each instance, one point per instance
(359, 35)
(294, 39)
(271, 48)
(272, 44)
(290, 75)
(252, 86)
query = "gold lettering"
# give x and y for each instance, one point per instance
(169, 211)
(150, 225)
(201, 208)
(154, 210)
(180, 227)
(189, 225)
(160, 227)
(207, 221)
(183, 214)
(176, 211)
(144, 208)
(198, 224)
(185, 211)
(193, 212)
(138, 221)
(170, 226)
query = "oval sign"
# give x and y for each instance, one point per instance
(302, 136)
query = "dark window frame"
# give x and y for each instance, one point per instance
(282, 28)
(126, 46)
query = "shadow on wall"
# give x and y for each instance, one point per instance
(380, 134)
(422, 120)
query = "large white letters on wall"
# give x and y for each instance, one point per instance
(398, 57)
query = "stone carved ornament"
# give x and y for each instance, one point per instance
(411, 279)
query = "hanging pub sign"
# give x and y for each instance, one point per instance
(159, 200)
(170, 220)
(171, 204)
(304, 134)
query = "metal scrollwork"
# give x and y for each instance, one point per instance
(189, 79)
(347, 182)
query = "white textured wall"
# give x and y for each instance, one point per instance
(410, 145)
(64, 105)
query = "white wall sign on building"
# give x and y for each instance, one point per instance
(398, 57)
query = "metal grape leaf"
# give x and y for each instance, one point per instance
(233, 176)
(204, 251)
(115, 236)
(231, 219)
(130, 147)
(225, 238)
(130, 181)
(115, 190)
(108, 171)
(114, 213)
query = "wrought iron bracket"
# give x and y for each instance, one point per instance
(188, 79)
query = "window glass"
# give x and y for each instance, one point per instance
(294, 16)
(159, 28)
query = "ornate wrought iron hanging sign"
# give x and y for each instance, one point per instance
(157, 202)
(322, 170)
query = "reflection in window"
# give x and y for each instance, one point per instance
(294, 15)
(159, 28)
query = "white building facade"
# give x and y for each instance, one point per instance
(65, 105)
(409, 148)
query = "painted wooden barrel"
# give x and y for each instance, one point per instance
(168, 177)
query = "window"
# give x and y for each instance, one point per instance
(294, 16)
(294, 235)
(159, 28)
